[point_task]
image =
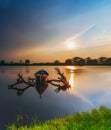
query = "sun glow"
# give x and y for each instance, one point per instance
(71, 80)
(71, 45)
(72, 68)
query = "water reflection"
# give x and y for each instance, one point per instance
(42, 88)
(71, 80)
(2, 70)
(27, 69)
(91, 87)
(40, 82)
(71, 68)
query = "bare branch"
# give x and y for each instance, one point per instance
(61, 80)
(61, 83)
(21, 80)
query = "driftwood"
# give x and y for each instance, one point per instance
(61, 79)
(20, 80)
(61, 83)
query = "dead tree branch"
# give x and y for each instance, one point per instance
(61, 80)
(61, 83)
(21, 80)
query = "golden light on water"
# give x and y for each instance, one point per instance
(71, 68)
(71, 80)
(72, 71)
(72, 83)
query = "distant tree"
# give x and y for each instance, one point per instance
(78, 61)
(102, 60)
(94, 62)
(2, 62)
(108, 61)
(56, 62)
(11, 62)
(88, 60)
(27, 61)
(20, 61)
(68, 61)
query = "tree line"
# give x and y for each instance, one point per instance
(26, 62)
(88, 61)
(72, 61)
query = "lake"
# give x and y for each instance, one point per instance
(90, 88)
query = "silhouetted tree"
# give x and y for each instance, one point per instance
(102, 60)
(108, 61)
(68, 61)
(2, 62)
(20, 61)
(94, 62)
(88, 61)
(56, 62)
(78, 61)
(27, 61)
(11, 62)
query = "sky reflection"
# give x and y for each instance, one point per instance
(90, 88)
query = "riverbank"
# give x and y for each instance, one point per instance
(41, 64)
(97, 119)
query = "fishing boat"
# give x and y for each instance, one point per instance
(41, 78)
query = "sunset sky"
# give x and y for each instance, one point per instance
(42, 30)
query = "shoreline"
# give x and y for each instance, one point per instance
(52, 65)
(95, 120)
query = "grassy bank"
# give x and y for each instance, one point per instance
(97, 119)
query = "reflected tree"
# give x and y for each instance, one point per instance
(27, 61)
(61, 83)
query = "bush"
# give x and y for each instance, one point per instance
(97, 119)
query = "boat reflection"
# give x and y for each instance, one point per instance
(41, 81)
(41, 88)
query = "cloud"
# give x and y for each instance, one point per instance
(81, 33)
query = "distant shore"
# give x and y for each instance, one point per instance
(55, 65)
(76, 61)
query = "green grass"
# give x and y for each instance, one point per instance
(97, 119)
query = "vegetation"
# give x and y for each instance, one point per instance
(72, 61)
(88, 61)
(97, 119)
(27, 61)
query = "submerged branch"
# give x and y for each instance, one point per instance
(21, 80)
(61, 79)
(61, 83)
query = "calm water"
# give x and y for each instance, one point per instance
(91, 87)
